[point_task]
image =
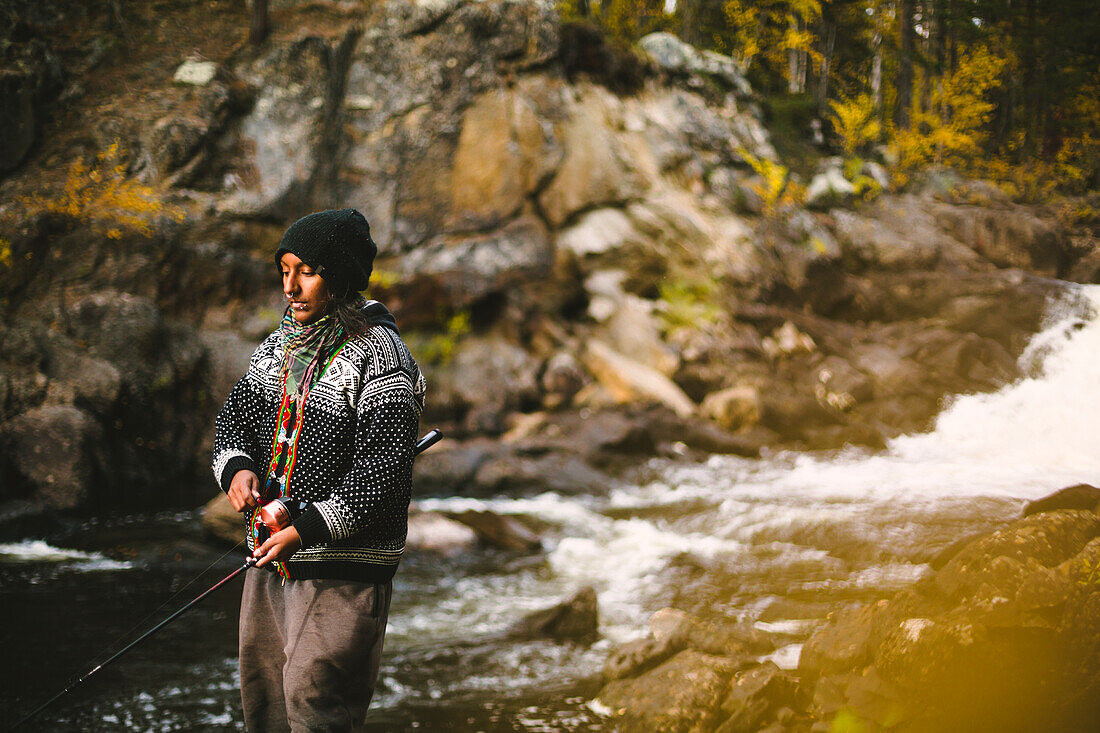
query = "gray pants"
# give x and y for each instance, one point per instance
(310, 651)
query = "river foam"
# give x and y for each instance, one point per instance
(37, 551)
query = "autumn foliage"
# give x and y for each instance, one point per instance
(101, 195)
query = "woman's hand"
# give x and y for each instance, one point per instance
(279, 547)
(244, 490)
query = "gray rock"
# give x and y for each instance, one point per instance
(449, 469)
(471, 267)
(195, 73)
(597, 169)
(690, 684)
(227, 361)
(282, 132)
(434, 532)
(95, 384)
(459, 384)
(829, 189)
(517, 474)
(58, 451)
(672, 54)
(576, 618)
(499, 530)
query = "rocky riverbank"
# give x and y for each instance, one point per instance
(1000, 635)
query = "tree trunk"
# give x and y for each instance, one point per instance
(905, 63)
(257, 31)
(827, 51)
(876, 71)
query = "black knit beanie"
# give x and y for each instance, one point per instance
(337, 245)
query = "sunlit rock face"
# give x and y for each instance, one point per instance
(1002, 637)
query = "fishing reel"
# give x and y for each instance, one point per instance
(279, 514)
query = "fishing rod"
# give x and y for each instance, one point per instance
(278, 517)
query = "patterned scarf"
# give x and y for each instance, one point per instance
(305, 346)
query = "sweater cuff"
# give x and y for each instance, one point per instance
(312, 527)
(234, 464)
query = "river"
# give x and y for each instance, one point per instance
(778, 542)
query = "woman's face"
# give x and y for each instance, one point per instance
(305, 289)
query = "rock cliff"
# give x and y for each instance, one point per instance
(580, 229)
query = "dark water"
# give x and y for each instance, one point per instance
(59, 617)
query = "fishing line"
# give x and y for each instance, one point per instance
(430, 439)
(114, 644)
(107, 647)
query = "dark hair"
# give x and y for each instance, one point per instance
(349, 314)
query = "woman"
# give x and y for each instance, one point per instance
(327, 414)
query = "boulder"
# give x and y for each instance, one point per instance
(575, 618)
(448, 469)
(829, 188)
(634, 331)
(94, 384)
(221, 521)
(719, 637)
(435, 532)
(281, 131)
(680, 695)
(503, 154)
(996, 640)
(195, 73)
(1001, 558)
(562, 377)
(226, 361)
(755, 696)
(673, 55)
(1008, 237)
(638, 656)
(468, 268)
(595, 171)
(899, 232)
(598, 232)
(58, 451)
(734, 408)
(517, 474)
(1081, 496)
(666, 427)
(843, 644)
(459, 383)
(498, 530)
(630, 381)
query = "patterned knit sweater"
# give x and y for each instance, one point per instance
(354, 454)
